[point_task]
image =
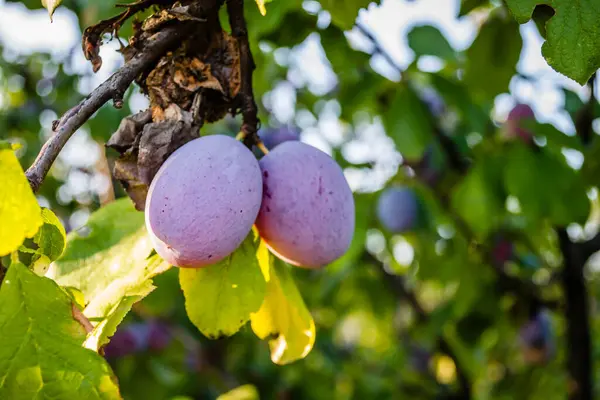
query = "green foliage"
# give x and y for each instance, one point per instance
(572, 35)
(344, 12)
(19, 212)
(494, 53)
(427, 40)
(478, 198)
(443, 298)
(245, 392)
(51, 237)
(221, 297)
(109, 263)
(408, 122)
(41, 354)
(546, 187)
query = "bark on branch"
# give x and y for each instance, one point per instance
(235, 9)
(112, 88)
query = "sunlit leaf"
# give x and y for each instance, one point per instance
(51, 237)
(109, 262)
(283, 318)
(219, 298)
(20, 214)
(51, 6)
(244, 392)
(41, 356)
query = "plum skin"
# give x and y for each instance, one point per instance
(514, 122)
(203, 201)
(273, 138)
(307, 215)
(398, 209)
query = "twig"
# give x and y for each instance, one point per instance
(396, 282)
(579, 346)
(378, 49)
(235, 9)
(585, 116)
(116, 84)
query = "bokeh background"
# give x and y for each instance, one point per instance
(417, 315)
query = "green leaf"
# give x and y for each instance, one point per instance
(244, 392)
(572, 35)
(51, 238)
(51, 6)
(466, 6)
(41, 356)
(283, 318)
(493, 57)
(427, 40)
(478, 199)
(109, 263)
(219, 298)
(20, 214)
(344, 12)
(546, 187)
(408, 122)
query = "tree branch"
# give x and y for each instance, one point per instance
(378, 48)
(585, 116)
(579, 346)
(235, 9)
(113, 87)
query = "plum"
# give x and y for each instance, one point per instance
(274, 137)
(537, 338)
(307, 213)
(514, 123)
(503, 251)
(138, 337)
(398, 209)
(203, 201)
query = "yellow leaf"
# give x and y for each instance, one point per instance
(261, 7)
(51, 6)
(284, 318)
(20, 214)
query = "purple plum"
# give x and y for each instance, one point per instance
(307, 213)
(138, 337)
(514, 123)
(203, 201)
(274, 137)
(503, 251)
(537, 339)
(398, 209)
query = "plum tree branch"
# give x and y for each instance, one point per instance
(249, 130)
(378, 48)
(579, 346)
(577, 309)
(112, 88)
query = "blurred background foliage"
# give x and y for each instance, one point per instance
(443, 307)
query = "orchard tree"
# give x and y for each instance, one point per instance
(226, 257)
